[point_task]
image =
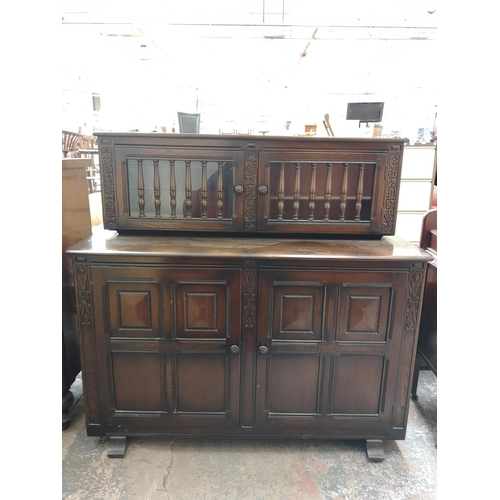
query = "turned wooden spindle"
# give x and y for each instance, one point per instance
(157, 187)
(140, 188)
(220, 194)
(296, 192)
(328, 191)
(173, 190)
(312, 191)
(204, 189)
(359, 194)
(188, 188)
(281, 191)
(343, 193)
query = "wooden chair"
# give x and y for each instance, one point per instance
(427, 337)
(69, 144)
(326, 123)
(87, 148)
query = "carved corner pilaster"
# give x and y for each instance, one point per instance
(250, 190)
(84, 306)
(249, 294)
(391, 190)
(409, 341)
(108, 187)
(87, 344)
(414, 297)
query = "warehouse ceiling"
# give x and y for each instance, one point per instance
(350, 47)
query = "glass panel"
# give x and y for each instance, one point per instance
(313, 194)
(185, 189)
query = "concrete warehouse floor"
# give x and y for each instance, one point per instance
(220, 469)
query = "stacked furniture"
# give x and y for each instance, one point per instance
(248, 286)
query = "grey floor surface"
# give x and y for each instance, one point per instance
(227, 469)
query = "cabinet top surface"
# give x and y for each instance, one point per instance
(110, 243)
(144, 139)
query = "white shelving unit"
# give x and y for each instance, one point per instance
(415, 195)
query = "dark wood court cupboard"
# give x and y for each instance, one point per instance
(248, 286)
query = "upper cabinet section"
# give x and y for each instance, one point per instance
(183, 182)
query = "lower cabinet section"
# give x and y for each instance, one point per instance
(248, 348)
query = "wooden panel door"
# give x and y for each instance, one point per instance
(321, 191)
(178, 189)
(328, 349)
(168, 343)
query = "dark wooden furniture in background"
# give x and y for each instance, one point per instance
(427, 340)
(220, 323)
(75, 226)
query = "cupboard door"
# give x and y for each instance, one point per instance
(321, 191)
(168, 344)
(178, 189)
(326, 345)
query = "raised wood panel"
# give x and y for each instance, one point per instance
(134, 309)
(297, 312)
(201, 309)
(201, 382)
(137, 381)
(357, 385)
(294, 384)
(364, 313)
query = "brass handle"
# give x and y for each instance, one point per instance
(238, 189)
(263, 349)
(262, 189)
(235, 349)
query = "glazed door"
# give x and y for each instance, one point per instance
(321, 191)
(187, 189)
(167, 344)
(327, 349)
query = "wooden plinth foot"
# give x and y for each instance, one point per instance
(117, 446)
(375, 449)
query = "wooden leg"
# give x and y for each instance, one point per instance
(414, 383)
(375, 449)
(117, 446)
